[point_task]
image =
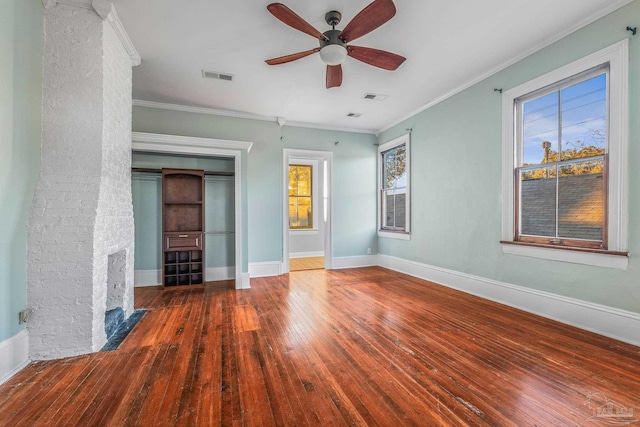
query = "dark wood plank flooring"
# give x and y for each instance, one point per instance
(353, 347)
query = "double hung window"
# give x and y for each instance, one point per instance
(564, 160)
(394, 186)
(561, 172)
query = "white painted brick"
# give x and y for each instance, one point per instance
(82, 210)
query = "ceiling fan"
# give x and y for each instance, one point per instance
(333, 43)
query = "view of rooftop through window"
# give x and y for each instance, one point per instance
(564, 143)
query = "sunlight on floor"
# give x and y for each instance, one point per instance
(310, 263)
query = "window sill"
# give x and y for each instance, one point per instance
(303, 232)
(598, 258)
(400, 235)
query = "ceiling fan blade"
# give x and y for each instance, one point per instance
(292, 57)
(334, 76)
(369, 18)
(376, 57)
(290, 18)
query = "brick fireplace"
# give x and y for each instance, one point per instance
(81, 237)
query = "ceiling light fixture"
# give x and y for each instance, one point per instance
(333, 50)
(333, 54)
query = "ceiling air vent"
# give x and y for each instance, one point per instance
(216, 75)
(354, 115)
(375, 96)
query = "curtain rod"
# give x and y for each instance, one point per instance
(148, 170)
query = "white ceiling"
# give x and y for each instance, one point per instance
(448, 45)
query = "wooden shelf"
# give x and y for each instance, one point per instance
(182, 268)
(183, 228)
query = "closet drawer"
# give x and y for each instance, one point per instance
(182, 241)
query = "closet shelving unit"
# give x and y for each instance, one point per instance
(182, 228)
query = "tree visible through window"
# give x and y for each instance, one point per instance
(300, 196)
(562, 170)
(565, 162)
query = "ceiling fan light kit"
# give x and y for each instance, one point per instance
(333, 43)
(333, 54)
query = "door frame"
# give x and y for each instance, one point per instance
(327, 156)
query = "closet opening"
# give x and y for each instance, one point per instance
(219, 263)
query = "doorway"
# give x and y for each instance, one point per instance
(306, 210)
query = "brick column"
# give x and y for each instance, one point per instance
(82, 210)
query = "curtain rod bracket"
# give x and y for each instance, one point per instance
(633, 30)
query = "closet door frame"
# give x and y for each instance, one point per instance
(157, 143)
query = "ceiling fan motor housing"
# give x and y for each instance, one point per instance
(333, 37)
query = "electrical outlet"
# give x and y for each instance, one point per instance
(368, 251)
(23, 316)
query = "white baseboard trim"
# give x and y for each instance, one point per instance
(14, 355)
(265, 269)
(611, 322)
(305, 254)
(143, 278)
(214, 274)
(354, 261)
(245, 281)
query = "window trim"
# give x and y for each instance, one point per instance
(617, 55)
(399, 234)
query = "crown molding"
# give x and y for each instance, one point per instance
(107, 11)
(202, 110)
(333, 128)
(118, 27)
(102, 8)
(191, 141)
(242, 115)
(614, 5)
(84, 4)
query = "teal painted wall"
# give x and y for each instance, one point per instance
(456, 180)
(159, 160)
(21, 50)
(146, 192)
(354, 185)
(354, 175)
(146, 195)
(219, 197)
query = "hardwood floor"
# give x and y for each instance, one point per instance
(307, 263)
(350, 347)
